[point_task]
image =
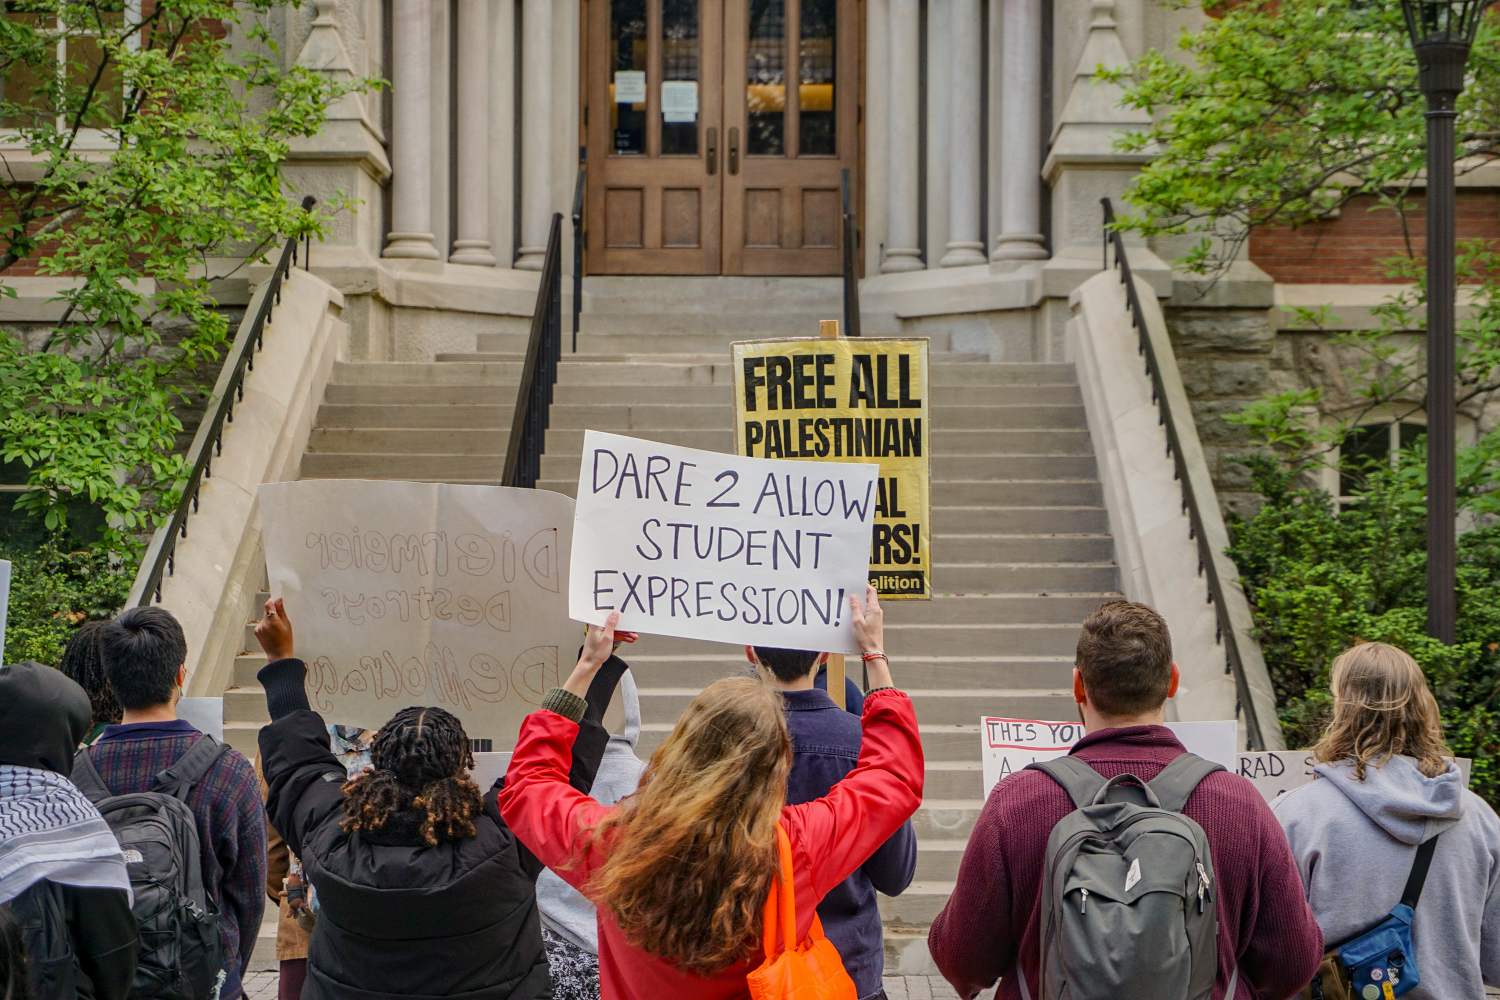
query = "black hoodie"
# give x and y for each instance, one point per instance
(398, 917)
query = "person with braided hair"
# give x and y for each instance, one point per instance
(423, 891)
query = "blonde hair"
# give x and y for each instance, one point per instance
(1382, 709)
(692, 853)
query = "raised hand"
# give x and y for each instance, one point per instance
(274, 631)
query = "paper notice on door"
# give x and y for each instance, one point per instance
(630, 86)
(679, 100)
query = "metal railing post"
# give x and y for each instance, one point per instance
(528, 425)
(1190, 505)
(851, 250)
(578, 252)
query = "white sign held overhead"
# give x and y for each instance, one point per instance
(405, 594)
(709, 546)
(1008, 745)
(679, 101)
(630, 86)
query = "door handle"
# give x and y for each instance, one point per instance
(713, 151)
(734, 151)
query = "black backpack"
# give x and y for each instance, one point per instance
(182, 957)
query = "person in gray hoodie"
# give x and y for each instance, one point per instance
(1385, 783)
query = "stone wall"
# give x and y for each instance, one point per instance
(1227, 359)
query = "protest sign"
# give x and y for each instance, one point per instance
(1276, 772)
(1008, 745)
(406, 594)
(708, 546)
(855, 400)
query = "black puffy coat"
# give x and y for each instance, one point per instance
(397, 917)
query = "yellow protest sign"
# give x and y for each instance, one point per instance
(850, 400)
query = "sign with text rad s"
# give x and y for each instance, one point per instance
(405, 594)
(708, 546)
(850, 400)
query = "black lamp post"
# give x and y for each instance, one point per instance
(1441, 33)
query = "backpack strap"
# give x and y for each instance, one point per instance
(86, 779)
(1418, 876)
(1080, 781)
(179, 779)
(1177, 780)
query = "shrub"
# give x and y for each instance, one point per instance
(1321, 579)
(53, 591)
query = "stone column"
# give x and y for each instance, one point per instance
(903, 251)
(472, 245)
(411, 143)
(965, 228)
(536, 133)
(1020, 237)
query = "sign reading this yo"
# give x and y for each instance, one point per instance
(708, 546)
(854, 400)
(406, 594)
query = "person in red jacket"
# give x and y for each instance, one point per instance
(1124, 675)
(680, 870)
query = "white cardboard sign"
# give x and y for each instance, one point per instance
(1008, 745)
(703, 545)
(405, 594)
(1276, 772)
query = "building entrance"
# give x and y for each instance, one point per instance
(716, 132)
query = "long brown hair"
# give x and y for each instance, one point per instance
(1382, 709)
(693, 851)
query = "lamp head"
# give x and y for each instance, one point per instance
(1441, 33)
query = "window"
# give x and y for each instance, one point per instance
(1371, 446)
(72, 62)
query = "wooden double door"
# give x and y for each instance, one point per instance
(717, 131)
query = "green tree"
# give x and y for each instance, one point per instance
(149, 151)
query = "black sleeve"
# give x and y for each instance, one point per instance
(304, 780)
(105, 938)
(588, 751)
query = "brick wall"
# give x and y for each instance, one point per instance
(1353, 248)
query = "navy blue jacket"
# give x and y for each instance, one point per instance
(825, 747)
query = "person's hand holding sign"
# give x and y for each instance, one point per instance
(599, 644)
(274, 631)
(869, 631)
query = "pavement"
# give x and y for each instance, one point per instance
(262, 986)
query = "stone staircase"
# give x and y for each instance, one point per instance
(1020, 538)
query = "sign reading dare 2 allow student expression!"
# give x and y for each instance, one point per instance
(708, 546)
(850, 400)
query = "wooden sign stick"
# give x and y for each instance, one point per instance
(828, 329)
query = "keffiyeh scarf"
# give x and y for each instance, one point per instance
(50, 830)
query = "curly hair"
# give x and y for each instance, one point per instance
(418, 759)
(82, 662)
(693, 852)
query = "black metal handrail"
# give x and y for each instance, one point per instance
(1224, 628)
(211, 444)
(577, 252)
(528, 426)
(851, 272)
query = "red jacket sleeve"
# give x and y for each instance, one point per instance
(540, 807)
(840, 831)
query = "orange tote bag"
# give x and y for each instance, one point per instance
(812, 970)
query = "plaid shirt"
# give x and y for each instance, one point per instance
(231, 825)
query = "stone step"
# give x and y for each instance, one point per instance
(565, 445)
(459, 397)
(1069, 519)
(425, 373)
(435, 468)
(396, 440)
(994, 609)
(1024, 641)
(644, 373)
(1007, 416)
(707, 394)
(1050, 578)
(937, 860)
(1003, 374)
(917, 907)
(934, 707)
(242, 737)
(404, 415)
(245, 704)
(968, 549)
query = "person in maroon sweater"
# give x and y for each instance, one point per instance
(990, 928)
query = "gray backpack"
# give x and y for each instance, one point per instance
(182, 956)
(1128, 889)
